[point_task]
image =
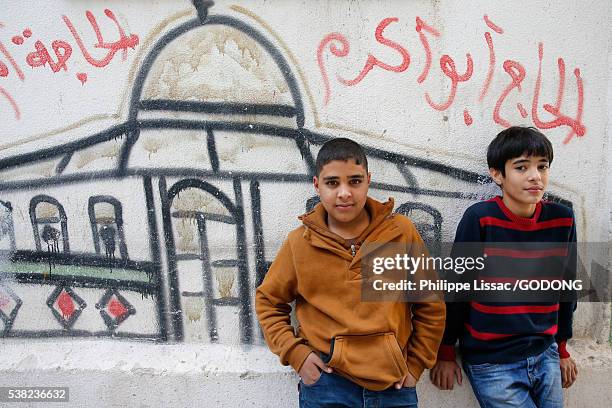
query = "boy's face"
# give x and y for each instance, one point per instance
(343, 188)
(525, 181)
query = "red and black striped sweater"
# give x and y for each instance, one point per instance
(496, 332)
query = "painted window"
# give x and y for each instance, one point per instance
(7, 231)
(50, 224)
(106, 218)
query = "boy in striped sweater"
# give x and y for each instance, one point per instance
(514, 354)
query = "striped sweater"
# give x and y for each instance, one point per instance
(494, 332)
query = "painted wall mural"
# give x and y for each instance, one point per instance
(161, 226)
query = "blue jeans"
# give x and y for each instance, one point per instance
(333, 390)
(531, 383)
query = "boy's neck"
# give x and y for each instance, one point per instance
(519, 209)
(352, 229)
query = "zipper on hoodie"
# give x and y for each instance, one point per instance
(353, 251)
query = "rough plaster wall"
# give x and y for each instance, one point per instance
(378, 92)
(609, 132)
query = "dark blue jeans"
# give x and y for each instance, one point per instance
(531, 383)
(333, 390)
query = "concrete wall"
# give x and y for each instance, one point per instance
(198, 140)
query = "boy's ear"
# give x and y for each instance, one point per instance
(496, 176)
(369, 178)
(315, 183)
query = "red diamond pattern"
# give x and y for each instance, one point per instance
(9, 306)
(66, 306)
(115, 308)
(65, 303)
(5, 300)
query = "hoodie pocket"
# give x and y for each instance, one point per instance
(374, 361)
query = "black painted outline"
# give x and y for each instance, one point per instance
(9, 319)
(66, 324)
(244, 291)
(217, 107)
(112, 322)
(10, 224)
(261, 266)
(66, 148)
(63, 163)
(207, 274)
(202, 7)
(154, 251)
(408, 175)
(83, 259)
(211, 145)
(436, 227)
(176, 313)
(84, 333)
(237, 218)
(63, 220)
(143, 288)
(118, 222)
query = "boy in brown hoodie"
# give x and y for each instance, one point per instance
(348, 353)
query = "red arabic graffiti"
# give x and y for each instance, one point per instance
(41, 56)
(373, 61)
(448, 67)
(577, 128)
(10, 99)
(491, 70)
(123, 43)
(420, 26)
(492, 26)
(517, 73)
(57, 54)
(339, 46)
(342, 52)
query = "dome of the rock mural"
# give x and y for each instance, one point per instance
(216, 63)
(218, 97)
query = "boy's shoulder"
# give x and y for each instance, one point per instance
(297, 233)
(484, 208)
(403, 222)
(396, 222)
(551, 209)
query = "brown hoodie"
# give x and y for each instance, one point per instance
(374, 344)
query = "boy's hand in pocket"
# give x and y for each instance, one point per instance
(407, 381)
(311, 369)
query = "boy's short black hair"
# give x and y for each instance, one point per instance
(341, 149)
(514, 142)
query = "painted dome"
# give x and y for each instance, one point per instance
(216, 63)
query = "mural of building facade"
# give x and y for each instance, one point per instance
(160, 226)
